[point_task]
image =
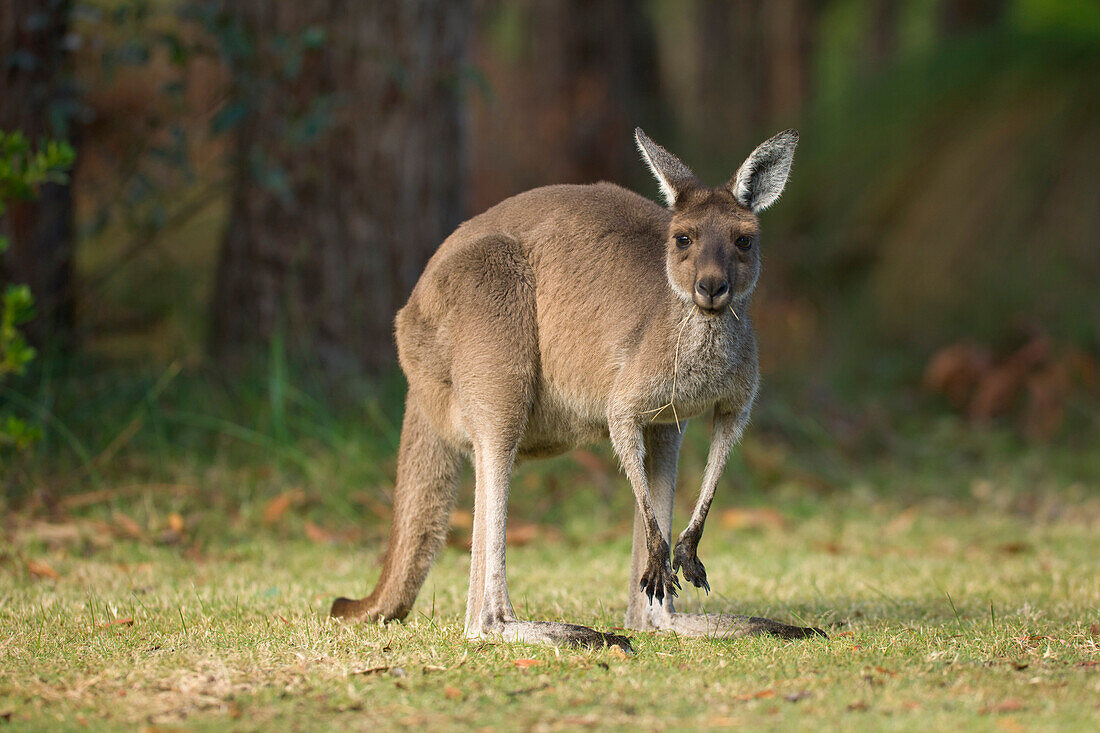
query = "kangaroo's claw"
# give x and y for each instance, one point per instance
(686, 559)
(659, 580)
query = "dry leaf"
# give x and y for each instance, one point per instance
(525, 663)
(452, 693)
(521, 534)
(127, 526)
(40, 569)
(317, 534)
(371, 670)
(902, 522)
(175, 523)
(278, 506)
(752, 518)
(859, 705)
(760, 695)
(118, 622)
(1008, 706)
(1095, 629)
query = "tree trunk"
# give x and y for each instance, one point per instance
(34, 98)
(349, 172)
(566, 99)
(751, 70)
(959, 17)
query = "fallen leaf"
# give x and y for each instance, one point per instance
(1007, 706)
(846, 633)
(452, 693)
(760, 695)
(521, 534)
(127, 526)
(525, 663)
(317, 534)
(278, 506)
(175, 523)
(371, 670)
(40, 569)
(752, 518)
(903, 521)
(127, 621)
(859, 705)
(1095, 629)
(1013, 548)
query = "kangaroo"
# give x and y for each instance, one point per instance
(570, 314)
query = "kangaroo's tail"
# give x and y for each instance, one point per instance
(427, 480)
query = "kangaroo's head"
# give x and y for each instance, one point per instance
(713, 253)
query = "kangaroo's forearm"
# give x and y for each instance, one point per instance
(727, 431)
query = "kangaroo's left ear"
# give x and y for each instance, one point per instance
(762, 177)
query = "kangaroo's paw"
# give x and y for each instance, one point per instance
(550, 632)
(685, 558)
(659, 579)
(719, 625)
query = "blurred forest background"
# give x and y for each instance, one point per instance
(257, 185)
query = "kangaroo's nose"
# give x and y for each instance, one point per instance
(711, 293)
(712, 287)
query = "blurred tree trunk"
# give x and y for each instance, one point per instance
(752, 69)
(566, 98)
(35, 99)
(349, 171)
(959, 17)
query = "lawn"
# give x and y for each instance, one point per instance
(169, 552)
(981, 612)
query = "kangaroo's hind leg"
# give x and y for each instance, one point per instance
(494, 352)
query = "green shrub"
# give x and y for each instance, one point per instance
(22, 170)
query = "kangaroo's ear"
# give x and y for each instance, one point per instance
(672, 175)
(761, 178)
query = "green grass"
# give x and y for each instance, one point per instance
(941, 615)
(957, 571)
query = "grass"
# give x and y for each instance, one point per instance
(168, 556)
(940, 615)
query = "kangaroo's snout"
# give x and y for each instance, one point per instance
(712, 293)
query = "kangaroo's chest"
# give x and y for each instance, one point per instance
(711, 366)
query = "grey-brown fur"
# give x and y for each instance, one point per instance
(565, 315)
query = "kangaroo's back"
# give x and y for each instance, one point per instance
(586, 260)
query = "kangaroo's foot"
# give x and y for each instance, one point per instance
(724, 626)
(684, 558)
(659, 579)
(552, 633)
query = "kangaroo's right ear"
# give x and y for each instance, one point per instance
(672, 175)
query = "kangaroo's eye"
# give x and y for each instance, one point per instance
(683, 241)
(743, 243)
